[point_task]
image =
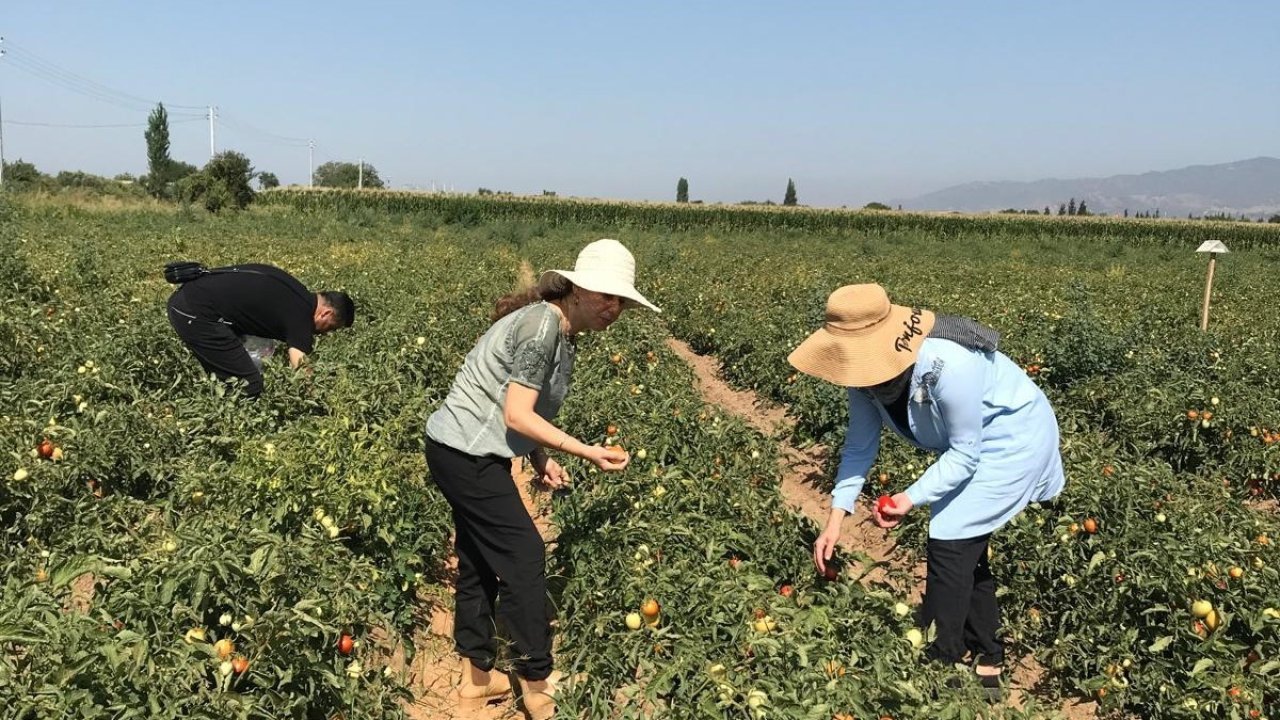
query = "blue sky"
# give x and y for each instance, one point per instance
(855, 101)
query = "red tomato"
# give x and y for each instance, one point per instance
(45, 448)
(884, 502)
(345, 643)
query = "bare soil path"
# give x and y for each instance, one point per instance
(434, 672)
(802, 478)
(802, 470)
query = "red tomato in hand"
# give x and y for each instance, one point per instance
(884, 502)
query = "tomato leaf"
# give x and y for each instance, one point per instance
(1268, 667)
(1201, 665)
(72, 569)
(13, 633)
(1160, 644)
(258, 560)
(1097, 559)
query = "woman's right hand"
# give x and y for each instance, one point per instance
(609, 459)
(825, 545)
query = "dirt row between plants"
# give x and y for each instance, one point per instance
(803, 476)
(433, 673)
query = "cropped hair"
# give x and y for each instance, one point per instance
(344, 308)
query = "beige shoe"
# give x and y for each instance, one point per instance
(479, 688)
(538, 697)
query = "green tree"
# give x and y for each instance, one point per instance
(1071, 207)
(790, 197)
(78, 178)
(267, 180)
(178, 169)
(1082, 210)
(158, 161)
(682, 191)
(223, 183)
(346, 175)
(876, 206)
(21, 175)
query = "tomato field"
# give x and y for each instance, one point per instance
(174, 551)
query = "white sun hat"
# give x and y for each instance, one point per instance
(605, 266)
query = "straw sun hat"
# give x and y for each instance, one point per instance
(865, 340)
(605, 266)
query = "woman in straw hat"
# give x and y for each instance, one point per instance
(940, 383)
(501, 404)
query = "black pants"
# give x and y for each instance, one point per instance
(501, 562)
(960, 598)
(219, 349)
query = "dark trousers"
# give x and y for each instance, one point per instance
(960, 599)
(219, 349)
(501, 562)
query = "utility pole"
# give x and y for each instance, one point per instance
(1, 123)
(1, 138)
(213, 115)
(360, 176)
(311, 163)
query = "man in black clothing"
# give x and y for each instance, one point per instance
(214, 312)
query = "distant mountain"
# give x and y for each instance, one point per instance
(1249, 187)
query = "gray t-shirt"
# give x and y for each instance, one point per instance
(525, 347)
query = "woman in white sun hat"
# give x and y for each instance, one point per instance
(501, 404)
(940, 383)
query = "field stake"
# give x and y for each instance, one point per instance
(1208, 290)
(1212, 247)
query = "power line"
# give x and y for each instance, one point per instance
(109, 125)
(35, 71)
(33, 64)
(245, 127)
(36, 66)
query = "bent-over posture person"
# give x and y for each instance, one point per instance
(213, 313)
(939, 383)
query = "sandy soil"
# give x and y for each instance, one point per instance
(433, 674)
(801, 479)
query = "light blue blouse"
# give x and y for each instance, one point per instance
(993, 427)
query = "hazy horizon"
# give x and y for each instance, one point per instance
(856, 102)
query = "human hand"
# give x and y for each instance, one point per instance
(609, 459)
(825, 545)
(549, 473)
(889, 511)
